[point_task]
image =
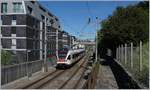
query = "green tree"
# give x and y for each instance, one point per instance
(126, 24)
(5, 57)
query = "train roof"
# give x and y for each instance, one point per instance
(73, 51)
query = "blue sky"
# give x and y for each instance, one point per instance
(73, 15)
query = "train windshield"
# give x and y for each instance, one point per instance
(62, 56)
(62, 53)
(69, 57)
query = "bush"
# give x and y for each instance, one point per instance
(5, 57)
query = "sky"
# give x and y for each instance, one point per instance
(74, 15)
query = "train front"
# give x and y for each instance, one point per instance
(62, 54)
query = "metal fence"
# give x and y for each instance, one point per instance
(133, 60)
(13, 72)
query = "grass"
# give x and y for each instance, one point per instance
(141, 76)
(144, 74)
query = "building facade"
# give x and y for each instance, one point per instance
(27, 29)
(23, 26)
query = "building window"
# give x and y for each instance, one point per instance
(4, 8)
(21, 43)
(17, 7)
(51, 21)
(6, 43)
(13, 20)
(13, 30)
(0, 20)
(1, 17)
(14, 17)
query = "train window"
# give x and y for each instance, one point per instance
(69, 57)
(73, 56)
(77, 54)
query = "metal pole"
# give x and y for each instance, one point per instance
(96, 36)
(41, 49)
(45, 49)
(116, 53)
(141, 56)
(27, 64)
(122, 54)
(125, 58)
(57, 43)
(119, 53)
(131, 55)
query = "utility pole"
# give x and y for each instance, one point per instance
(45, 48)
(57, 44)
(96, 37)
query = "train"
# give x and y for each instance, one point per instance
(69, 57)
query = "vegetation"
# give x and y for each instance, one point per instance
(125, 25)
(144, 76)
(141, 76)
(5, 57)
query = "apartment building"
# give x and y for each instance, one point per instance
(23, 27)
(65, 39)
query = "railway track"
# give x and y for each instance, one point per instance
(62, 81)
(76, 86)
(72, 76)
(32, 83)
(51, 77)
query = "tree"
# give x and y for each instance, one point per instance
(5, 57)
(127, 24)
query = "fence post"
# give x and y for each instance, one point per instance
(119, 53)
(141, 56)
(131, 55)
(116, 53)
(125, 57)
(122, 53)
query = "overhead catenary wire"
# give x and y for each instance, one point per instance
(89, 10)
(67, 25)
(84, 26)
(89, 18)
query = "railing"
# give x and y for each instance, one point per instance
(91, 82)
(135, 61)
(13, 72)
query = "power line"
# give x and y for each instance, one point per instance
(88, 8)
(67, 25)
(84, 27)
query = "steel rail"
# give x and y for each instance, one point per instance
(34, 82)
(42, 81)
(65, 83)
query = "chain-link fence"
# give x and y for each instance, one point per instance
(135, 60)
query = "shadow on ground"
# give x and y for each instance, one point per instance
(124, 81)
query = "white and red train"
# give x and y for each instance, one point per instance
(68, 57)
